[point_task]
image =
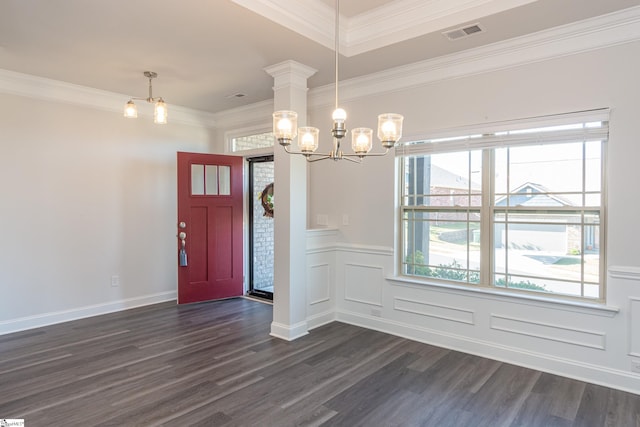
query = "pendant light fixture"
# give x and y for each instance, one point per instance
(160, 113)
(285, 127)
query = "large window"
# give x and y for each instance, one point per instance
(519, 208)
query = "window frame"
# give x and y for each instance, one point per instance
(488, 138)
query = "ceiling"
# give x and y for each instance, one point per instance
(210, 55)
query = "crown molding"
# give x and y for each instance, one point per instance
(41, 88)
(391, 23)
(256, 114)
(592, 34)
(312, 18)
(584, 36)
(406, 19)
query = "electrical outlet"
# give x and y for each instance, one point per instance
(115, 281)
(635, 366)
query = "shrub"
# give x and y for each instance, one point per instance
(454, 271)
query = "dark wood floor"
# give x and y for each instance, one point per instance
(214, 364)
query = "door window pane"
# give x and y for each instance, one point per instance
(197, 180)
(211, 175)
(224, 180)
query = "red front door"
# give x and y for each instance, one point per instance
(209, 227)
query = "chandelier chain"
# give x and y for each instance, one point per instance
(337, 45)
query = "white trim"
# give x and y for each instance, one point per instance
(600, 335)
(312, 18)
(624, 272)
(480, 136)
(289, 333)
(46, 319)
(402, 20)
(364, 249)
(470, 313)
(545, 301)
(53, 90)
(321, 319)
(615, 378)
(633, 343)
(257, 115)
(327, 285)
(393, 22)
(584, 36)
(591, 34)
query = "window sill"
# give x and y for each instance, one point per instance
(519, 298)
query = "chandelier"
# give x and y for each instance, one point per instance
(160, 112)
(285, 127)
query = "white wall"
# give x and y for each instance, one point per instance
(85, 194)
(598, 345)
(351, 268)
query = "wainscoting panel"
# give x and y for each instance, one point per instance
(318, 283)
(363, 284)
(438, 311)
(634, 327)
(545, 331)
(582, 341)
(321, 276)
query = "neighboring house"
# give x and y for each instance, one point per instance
(455, 187)
(555, 235)
(530, 194)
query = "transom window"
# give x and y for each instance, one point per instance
(519, 208)
(252, 142)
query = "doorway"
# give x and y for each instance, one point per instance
(261, 232)
(209, 227)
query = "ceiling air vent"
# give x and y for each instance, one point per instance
(459, 33)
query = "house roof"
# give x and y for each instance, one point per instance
(532, 194)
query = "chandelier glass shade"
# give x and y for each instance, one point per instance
(285, 127)
(160, 112)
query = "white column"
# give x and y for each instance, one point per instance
(290, 212)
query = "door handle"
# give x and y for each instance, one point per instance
(182, 255)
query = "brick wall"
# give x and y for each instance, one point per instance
(262, 228)
(250, 142)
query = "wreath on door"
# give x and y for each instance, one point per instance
(266, 198)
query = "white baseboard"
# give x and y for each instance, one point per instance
(608, 377)
(321, 319)
(30, 322)
(289, 332)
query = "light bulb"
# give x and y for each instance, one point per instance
(361, 140)
(339, 115)
(130, 110)
(388, 128)
(284, 125)
(308, 139)
(160, 112)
